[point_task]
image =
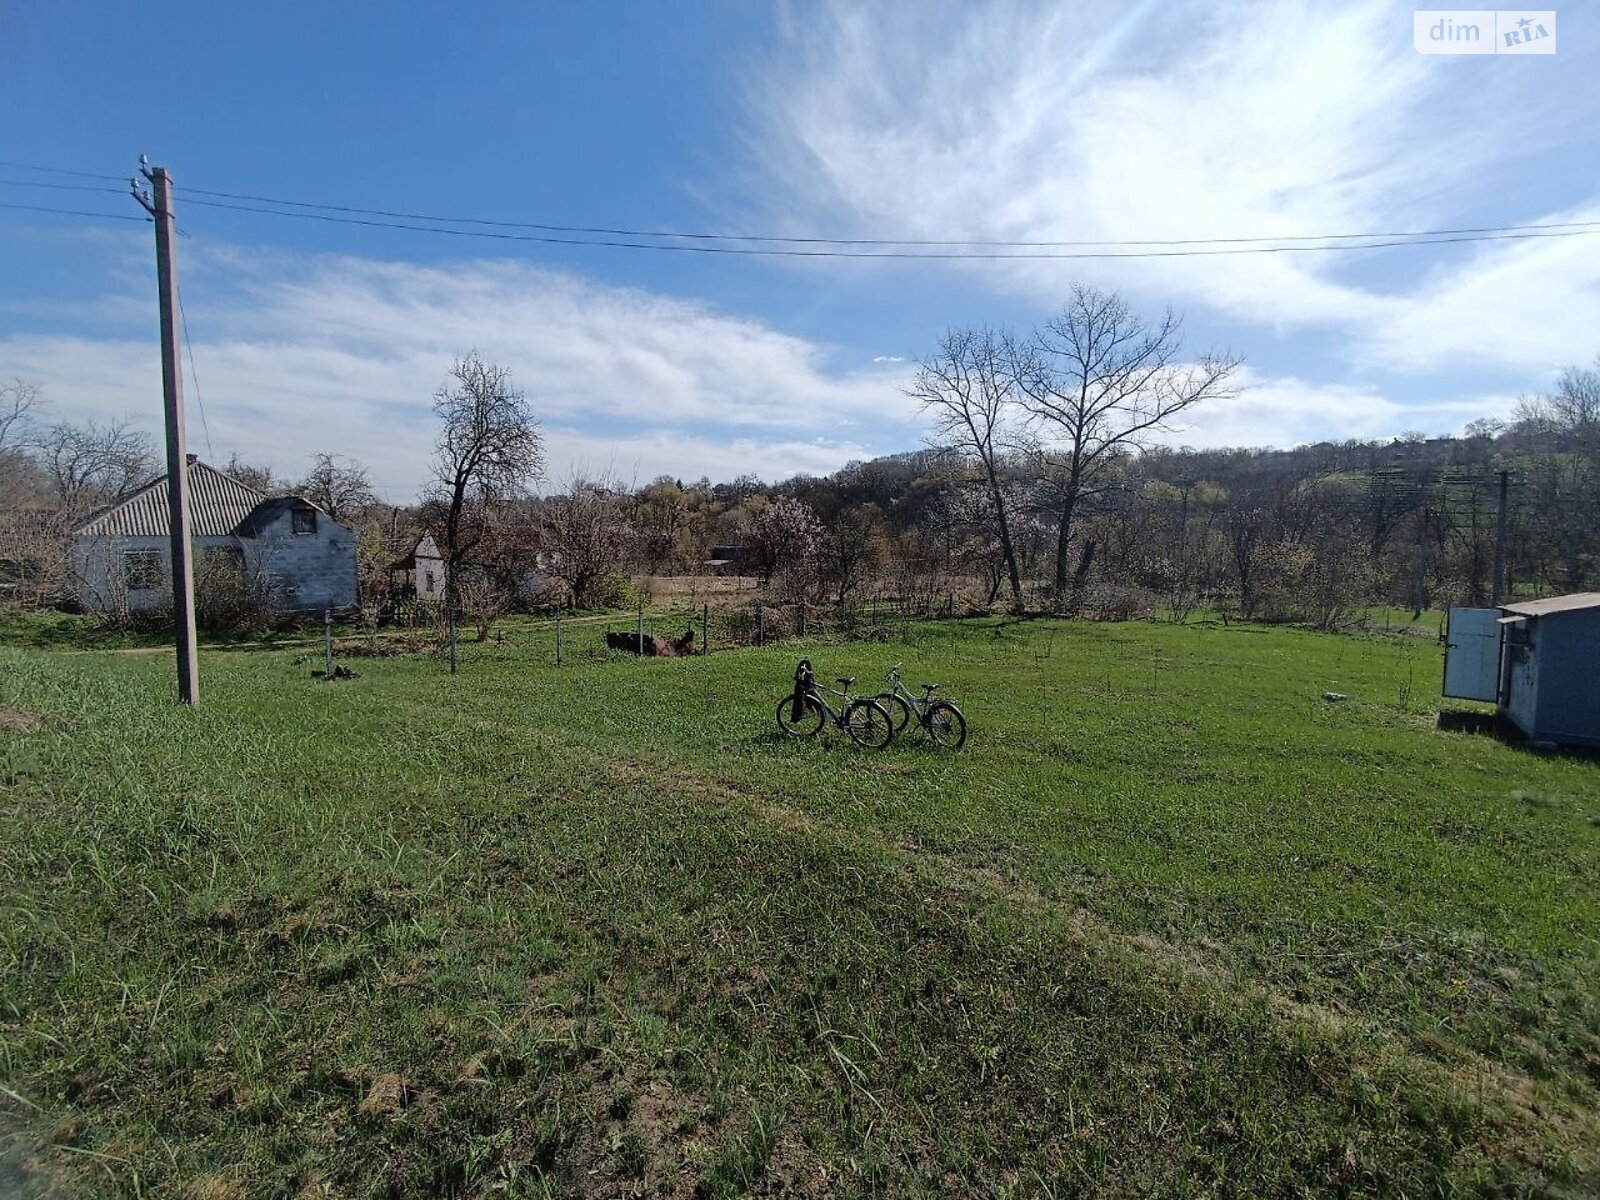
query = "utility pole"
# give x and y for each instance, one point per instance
(159, 206)
(1500, 542)
(327, 644)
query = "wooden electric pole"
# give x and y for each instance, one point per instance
(1500, 542)
(159, 206)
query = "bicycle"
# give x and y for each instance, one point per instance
(939, 719)
(804, 712)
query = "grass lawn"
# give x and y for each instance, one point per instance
(1170, 924)
(59, 631)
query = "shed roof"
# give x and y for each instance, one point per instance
(262, 515)
(425, 548)
(217, 503)
(1576, 602)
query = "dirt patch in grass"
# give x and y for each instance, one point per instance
(388, 1096)
(16, 720)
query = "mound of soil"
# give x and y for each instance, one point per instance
(655, 646)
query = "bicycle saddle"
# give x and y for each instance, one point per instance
(930, 687)
(846, 681)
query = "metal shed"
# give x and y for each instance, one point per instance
(1538, 661)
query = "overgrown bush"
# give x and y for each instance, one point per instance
(614, 591)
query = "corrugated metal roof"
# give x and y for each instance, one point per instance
(217, 504)
(1576, 602)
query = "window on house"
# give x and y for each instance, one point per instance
(141, 570)
(427, 581)
(305, 520)
(218, 572)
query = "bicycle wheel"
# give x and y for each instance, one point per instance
(869, 724)
(810, 722)
(897, 708)
(946, 725)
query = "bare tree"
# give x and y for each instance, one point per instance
(22, 483)
(489, 452)
(482, 598)
(19, 401)
(585, 536)
(257, 475)
(969, 391)
(851, 549)
(661, 515)
(92, 464)
(1098, 382)
(340, 486)
(1573, 408)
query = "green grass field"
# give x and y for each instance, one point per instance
(1170, 924)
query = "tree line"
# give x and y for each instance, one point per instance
(1044, 486)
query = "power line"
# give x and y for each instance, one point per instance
(62, 187)
(743, 237)
(782, 252)
(183, 320)
(22, 166)
(75, 212)
(607, 237)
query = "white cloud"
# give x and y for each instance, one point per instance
(632, 459)
(1285, 411)
(296, 355)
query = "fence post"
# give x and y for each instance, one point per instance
(639, 645)
(327, 643)
(758, 622)
(705, 629)
(558, 639)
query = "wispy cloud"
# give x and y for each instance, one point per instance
(1529, 305)
(1177, 119)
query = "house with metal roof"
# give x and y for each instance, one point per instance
(1538, 661)
(285, 550)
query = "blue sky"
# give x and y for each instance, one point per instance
(1157, 119)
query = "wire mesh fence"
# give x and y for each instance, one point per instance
(675, 630)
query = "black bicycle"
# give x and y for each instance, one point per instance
(805, 710)
(939, 719)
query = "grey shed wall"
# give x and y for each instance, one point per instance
(305, 571)
(1564, 657)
